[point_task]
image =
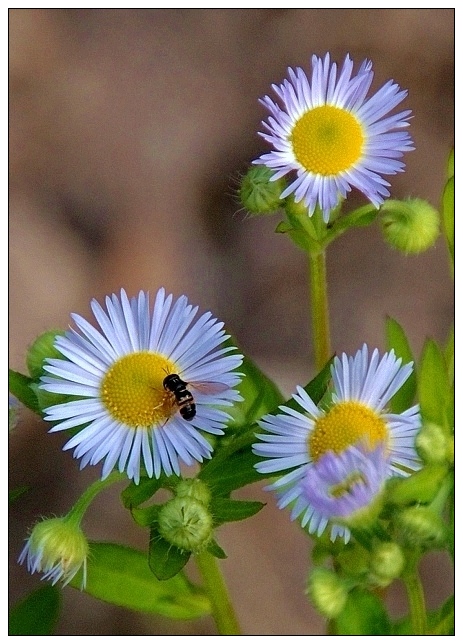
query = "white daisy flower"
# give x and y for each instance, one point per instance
(332, 136)
(357, 416)
(126, 411)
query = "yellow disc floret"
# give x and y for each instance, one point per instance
(327, 140)
(345, 424)
(132, 389)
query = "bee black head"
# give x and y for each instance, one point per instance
(172, 382)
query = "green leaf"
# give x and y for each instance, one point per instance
(145, 516)
(448, 215)
(165, 560)
(420, 487)
(397, 340)
(449, 355)
(363, 614)
(134, 495)
(37, 614)
(224, 510)
(16, 493)
(433, 385)
(442, 621)
(121, 576)
(20, 386)
(451, 164)
(260, 396)
(235, 469)
(215, 550)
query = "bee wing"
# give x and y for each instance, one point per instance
(209, 388)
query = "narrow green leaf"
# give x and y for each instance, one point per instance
(448, 215)
(451, 164)
(363, 614)
(260, 396)
(37, 614)
(449, 355)
(433, 385)
(20, 386)
(224, 510)
(165, 560)
(316, 388)
(215, 550)
(420, 487)
(121, 576)
(442, 621)
(397, 340)
(16, 493)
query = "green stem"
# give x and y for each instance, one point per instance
(222, 608)
(416, 600)
(80, 507)
(319, 305)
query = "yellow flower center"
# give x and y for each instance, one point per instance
(345, 424)
(132, 389)
(346, 485)
(327, 140)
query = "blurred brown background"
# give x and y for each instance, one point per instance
(128, 133)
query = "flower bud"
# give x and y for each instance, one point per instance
(57, 548)
(41, 349)
(386, 563)
(327, 591)
(258, 194)
(432, 444)
(410, 226)
(421, 526)
(195, 489)
(186, 523)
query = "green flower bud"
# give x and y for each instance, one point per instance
(328, 592)
(57, 548)
(386, 563)
(258, 194)
(410, 226)
(295, 209)
(186, 523)
(41, 349)
(421, 526)
(432, 444)
(195, 489)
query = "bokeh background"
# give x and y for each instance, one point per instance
(129, 130)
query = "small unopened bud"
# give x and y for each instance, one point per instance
(41, 349)
(432, 444)
(410, 226)
(420, 526)
(195, 489)
(57, 548)
(258, 194)
(186, 523)
(327, 591)
(386, 563)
